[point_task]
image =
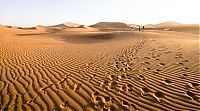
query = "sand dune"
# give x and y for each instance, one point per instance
(73, 25)
(110, 25)
(67, 25)
(167, 24)
(175, 26)
(60, 26)
(87, 69)
(133, 25)
(149, 26)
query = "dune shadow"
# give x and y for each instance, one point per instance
(27, 28)
(83, 38)
(93, 38)
(32, 34)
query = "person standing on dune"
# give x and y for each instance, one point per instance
(139, 28)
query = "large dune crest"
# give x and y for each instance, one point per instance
(168, 23)
(110, 25)
(68, 25)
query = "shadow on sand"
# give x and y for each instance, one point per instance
(32, 34)
(89, 38)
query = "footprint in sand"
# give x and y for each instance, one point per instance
(186, 60)
(180, 63)
(144, 91)
(124, 88)
(167, 82)
(125, 103)
(157, 71)
(192, 85)
(77, 86)
(145, 63)
(113, 85)
(192, 96)
(184, 76)
(158, 96)
(111, 77)
(161, 64)
(157, 59)
(141, 77)
(104, 83)
(123, 76)
(186, 68)
(99, 102)
(107, 99)
(98, 98)
(95, 94)
(147, 58)
(129, 87)
(148, 68)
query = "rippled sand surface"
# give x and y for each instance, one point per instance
(95, 70)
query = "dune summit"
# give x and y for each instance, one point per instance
(67, 25)
(110, 25)
(168, 23)
(61, 68)
(73, 25)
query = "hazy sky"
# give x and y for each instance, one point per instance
(49, 12)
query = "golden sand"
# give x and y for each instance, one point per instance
(46, 68)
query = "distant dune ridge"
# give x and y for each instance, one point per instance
(68, 25)
(149, 26)
(168, 23)
(41, 27)
(110, 25)
(133, 25)
(73, 25)
(115, 26)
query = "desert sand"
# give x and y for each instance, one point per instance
(104, 67)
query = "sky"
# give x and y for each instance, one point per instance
(87, 12)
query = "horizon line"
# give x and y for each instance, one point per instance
(95, 23)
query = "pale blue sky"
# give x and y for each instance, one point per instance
(49, 12)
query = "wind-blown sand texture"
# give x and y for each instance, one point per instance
(43, 68)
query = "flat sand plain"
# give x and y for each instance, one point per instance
(45, 68)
